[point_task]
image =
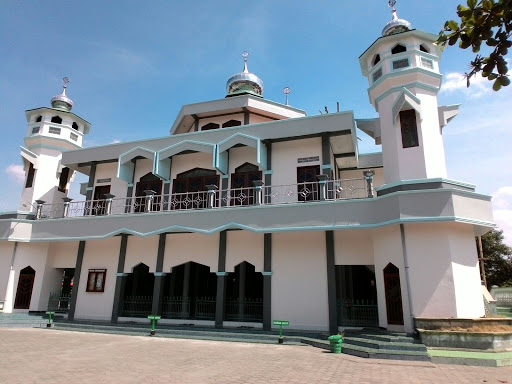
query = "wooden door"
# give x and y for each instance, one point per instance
(393, 295)
(24, 291)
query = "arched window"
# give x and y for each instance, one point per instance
(398, 49)
(409, 128)
(75, 126)
(209, 126)
(231, 123)
(189, 188)
(376, 59)
(148, 182)
(423, 48)
(39, 118)
(56, 120)
(242, 187)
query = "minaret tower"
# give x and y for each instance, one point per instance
(50, 132)
(402, 67)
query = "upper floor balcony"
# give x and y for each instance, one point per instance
(213, 198)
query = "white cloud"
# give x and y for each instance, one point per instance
(502, 207)
(456, 82)
(16, 172)
(115, 141)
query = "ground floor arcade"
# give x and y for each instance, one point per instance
(318, 280)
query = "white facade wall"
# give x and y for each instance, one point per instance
(285, 156)
(6, 249)
(141, 250)
(387, 245)
(35, 256)
(118, 187)
(63, 254)
(255, 119)
(142, 167)
(183, 163)
(244, 246)
(182, 248)
(100, 254)
(353, 247)
(299, 280)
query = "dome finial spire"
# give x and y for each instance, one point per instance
(244, 82)
(396, 25)
(62, 101)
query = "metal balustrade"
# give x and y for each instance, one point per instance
(357, 313)
(175, 307)
(59, 303)
(136, 306)
(322, 190)
(503, 296)
(249, 310)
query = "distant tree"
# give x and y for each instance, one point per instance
(488, 21)
(498, 259)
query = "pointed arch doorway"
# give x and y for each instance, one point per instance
(393, 292)
(24, 290)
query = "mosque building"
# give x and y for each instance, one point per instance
(251, 211)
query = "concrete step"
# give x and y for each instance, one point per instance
(384, 345)
(373, 353)
(22, 320)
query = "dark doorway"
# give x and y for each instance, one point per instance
(393, 295)
(356, 295)
(244, 294)
(100, 205)
(189, 292)
(242, 187)
(189, 188)
(138, 292)
(307, 183)
(148, 182)
(24, 291)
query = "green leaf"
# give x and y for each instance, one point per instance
(502, 68)
(471, 4)
(504, 80)
(497, 85)
(453, 25)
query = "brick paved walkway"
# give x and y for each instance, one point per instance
(49, 356)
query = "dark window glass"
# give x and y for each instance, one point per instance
(56, 119)
(404, 63)
(39, 118)
(398, 48)
(74, 126)
(423, 48)
(209, 126)
(242, 187)
(30, 176)
(307, 185)
(63, 179)
(231, 123)
(409, 128)
(188, 184)
(376, 60)
(96, 280)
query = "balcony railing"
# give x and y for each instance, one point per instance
(322, 190)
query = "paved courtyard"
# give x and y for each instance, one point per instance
(49, 356)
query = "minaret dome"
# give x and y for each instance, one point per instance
(396, 25)
(61, 101)
(244, 82)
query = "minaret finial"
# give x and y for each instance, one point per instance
(245, 55)
(396, 25)
(62, 101)
(287, 91)
(391, 4)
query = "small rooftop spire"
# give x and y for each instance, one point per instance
(396, 25)
(62, 101)
(245, 55)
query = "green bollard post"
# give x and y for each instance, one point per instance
(153, 319)
(50, 314)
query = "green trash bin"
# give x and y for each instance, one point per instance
(335, 343)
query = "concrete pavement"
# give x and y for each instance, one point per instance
(52, 356)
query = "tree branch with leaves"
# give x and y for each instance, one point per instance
(488, 21)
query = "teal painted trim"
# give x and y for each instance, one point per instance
(120, 274)
(125, 166)
(159, 274)
(60, 149)
(268, 172)
(28, 153)
(221, 273)
(225, 176)
(414, 84)
(266, 273)
(396, 73)
(234, 225)
(89, 188)
(406, 97)
(122, 156)
(422, 181)
(60, 111)
(326, 166)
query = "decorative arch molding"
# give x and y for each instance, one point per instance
(221, 160)
(126, 166)
(163, 161)
(406, 99)
(29, 157)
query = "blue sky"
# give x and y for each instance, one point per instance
(133, 64)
